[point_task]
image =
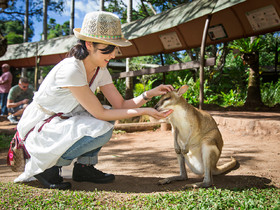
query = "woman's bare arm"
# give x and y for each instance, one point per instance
(91, 103)
(117, 101)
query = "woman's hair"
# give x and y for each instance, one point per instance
(108, 49)
(79, 51)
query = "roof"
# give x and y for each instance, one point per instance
(175, 17)
(50, 52)
(173, 30)
(183, 26)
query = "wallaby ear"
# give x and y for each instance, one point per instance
(183, 89)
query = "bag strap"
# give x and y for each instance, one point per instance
(58, 114)
(48, 120)
(95, 74)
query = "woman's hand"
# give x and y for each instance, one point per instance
(159, 90)
(158, 115)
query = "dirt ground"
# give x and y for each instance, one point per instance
(140, 159)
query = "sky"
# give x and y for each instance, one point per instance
(81, 8)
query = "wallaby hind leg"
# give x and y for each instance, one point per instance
(210, 158)
(183, 172)
(207, 181)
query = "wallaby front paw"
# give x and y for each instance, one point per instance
(178, 151)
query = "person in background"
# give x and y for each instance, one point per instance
(18, 99)
(5, 86)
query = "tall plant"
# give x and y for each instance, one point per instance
(249, 51)
(271, 93)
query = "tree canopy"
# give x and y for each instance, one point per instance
(16, 9)
(12, 18)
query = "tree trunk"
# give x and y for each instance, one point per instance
(128, 83)
(253, 93)
(45, 20)
(26, 21)
(72, 19)
(129, 88)
(3, 45)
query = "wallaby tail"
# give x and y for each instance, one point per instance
(226, 167)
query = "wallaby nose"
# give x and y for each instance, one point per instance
(156, 106)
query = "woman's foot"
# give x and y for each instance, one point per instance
(51, 179)
(88, 173)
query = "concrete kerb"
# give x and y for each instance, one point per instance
(244, 122)
(253, 123)
(250, 126)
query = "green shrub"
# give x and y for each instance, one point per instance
(227, 89)
(270, 93)
(233, 98)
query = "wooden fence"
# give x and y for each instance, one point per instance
(163, 69)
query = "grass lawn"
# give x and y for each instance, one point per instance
(20, 196)
(5, 141)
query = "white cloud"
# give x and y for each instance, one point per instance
(135, 3)
(81, 7)
(86, 6)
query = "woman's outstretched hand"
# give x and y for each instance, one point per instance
(158, 115)
(159, 90)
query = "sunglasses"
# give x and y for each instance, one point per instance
(24, 86)
(107, 50)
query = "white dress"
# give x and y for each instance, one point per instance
(48, 145)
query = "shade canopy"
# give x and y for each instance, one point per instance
(182, 27)
(177, 29)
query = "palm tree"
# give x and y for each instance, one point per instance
(249, 51)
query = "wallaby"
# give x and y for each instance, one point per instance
(197, 139)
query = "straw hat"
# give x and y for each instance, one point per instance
(102, 27)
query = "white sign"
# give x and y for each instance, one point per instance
(217, 32)
(266, 17)
(170, 40)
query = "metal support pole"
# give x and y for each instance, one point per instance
(202, 62)
(37, 60)
(163, 74)
(25, 33)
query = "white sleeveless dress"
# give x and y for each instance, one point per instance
(48, 145)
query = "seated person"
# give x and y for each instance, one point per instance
(18, 98)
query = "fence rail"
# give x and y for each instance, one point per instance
(162, 69)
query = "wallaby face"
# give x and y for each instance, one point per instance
(197, 139)
(171, 99)
(167, 101)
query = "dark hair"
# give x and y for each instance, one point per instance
(23, 80)
(79, 51)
